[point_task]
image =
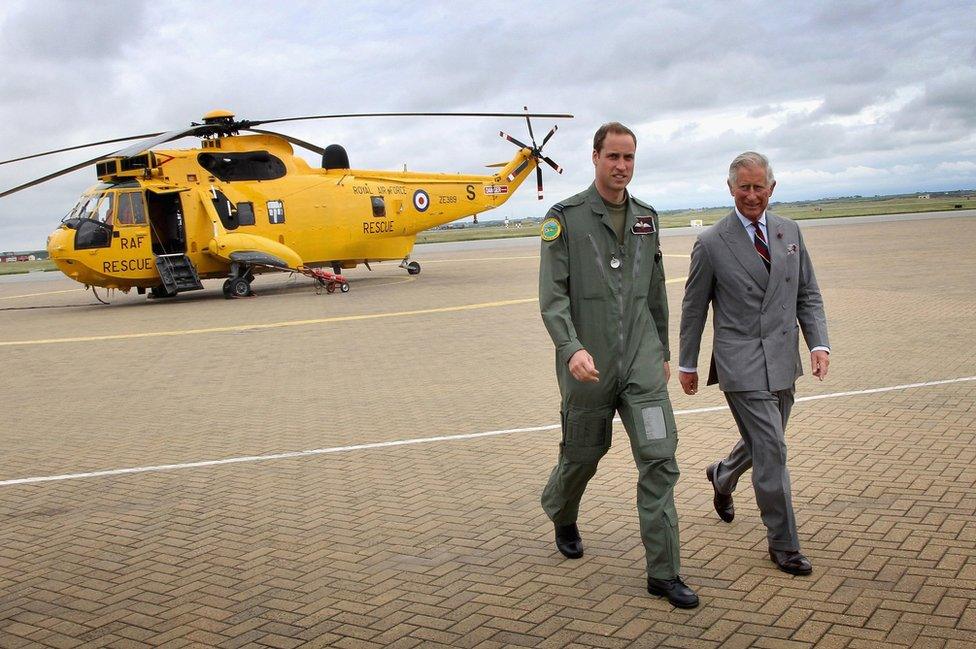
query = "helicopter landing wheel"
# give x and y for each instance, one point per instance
(160, 291)
(344, 287)
(237, 287)
(413, 268)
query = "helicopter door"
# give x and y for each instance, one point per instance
(167, 229)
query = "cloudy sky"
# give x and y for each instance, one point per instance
(855, 97)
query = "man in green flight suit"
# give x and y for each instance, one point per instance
(602, 296)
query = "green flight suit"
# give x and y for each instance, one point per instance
(609, 299)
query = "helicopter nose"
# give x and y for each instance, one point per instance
(61, 250)
(60, 242)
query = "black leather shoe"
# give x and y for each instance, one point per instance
(675, 590)
(791, 561)
(721, 502)
(568, 541)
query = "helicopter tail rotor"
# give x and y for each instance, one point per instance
(535, 151)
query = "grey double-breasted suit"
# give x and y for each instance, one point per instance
(757, 315)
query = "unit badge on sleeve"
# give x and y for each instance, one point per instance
(551, 229)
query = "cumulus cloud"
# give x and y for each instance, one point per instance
(62, 31)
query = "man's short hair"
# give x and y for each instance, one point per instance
(750, 159)
(610, 127)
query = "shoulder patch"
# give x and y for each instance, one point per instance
(643, 204)
(578, 199)
(551, 229)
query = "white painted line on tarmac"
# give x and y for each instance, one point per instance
(273, 456)
(268, 325)
(836, 395)
(17, 297)
(416, 440)
(460, 260)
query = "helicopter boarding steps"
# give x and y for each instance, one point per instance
(177, 273)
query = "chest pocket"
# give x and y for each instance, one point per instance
(589, 273)
(791, 259)
(645, 262)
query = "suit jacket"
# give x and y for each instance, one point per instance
(754, 312)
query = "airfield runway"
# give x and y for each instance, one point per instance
(364, 469)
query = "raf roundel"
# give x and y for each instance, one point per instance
(421, 200)
(551, 229)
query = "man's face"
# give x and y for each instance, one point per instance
(751, 192)
(614, 163)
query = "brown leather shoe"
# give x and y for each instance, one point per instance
(721, 502)
(791, 561)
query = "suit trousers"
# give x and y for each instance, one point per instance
(761, 417)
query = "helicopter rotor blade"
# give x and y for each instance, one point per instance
(538, 178)
(529, 124)
(552, 164)
(256, 122)
(513, 140)
(80, 146)
(294, 140)
(52, 176)
(550, 134)
(161, 138)
(129, 151)
(246, 124)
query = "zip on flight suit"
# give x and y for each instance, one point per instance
(609, 298)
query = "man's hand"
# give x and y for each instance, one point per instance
(819, 361)
(689, 382)
(667, 371)
(582, 367)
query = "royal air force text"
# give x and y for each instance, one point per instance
(385, 227)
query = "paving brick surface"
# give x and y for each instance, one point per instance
(443, 543)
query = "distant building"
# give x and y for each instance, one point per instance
(925, 196)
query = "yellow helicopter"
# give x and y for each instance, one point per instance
(162, 220)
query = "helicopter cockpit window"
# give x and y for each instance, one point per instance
(251, 165)
(131, 210)
(245, 213)
(104, 210)
(81, 210)
(95, 216)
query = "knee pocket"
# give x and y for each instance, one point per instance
(586, 434)
(654, 430)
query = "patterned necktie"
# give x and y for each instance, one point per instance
(760, 242)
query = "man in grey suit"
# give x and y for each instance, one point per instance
(753, 268)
